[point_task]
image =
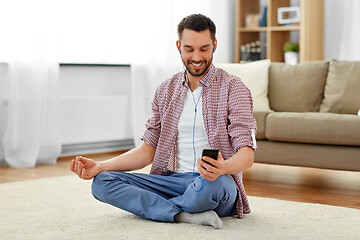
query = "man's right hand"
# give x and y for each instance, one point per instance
(85, 168)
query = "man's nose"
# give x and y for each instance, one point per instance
(197, 56)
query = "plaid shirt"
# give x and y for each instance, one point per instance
(228, 119)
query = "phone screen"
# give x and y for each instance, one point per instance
(213, 153)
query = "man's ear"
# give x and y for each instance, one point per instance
(215, 45)
(178, 46)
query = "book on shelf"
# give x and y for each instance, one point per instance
(263, 21)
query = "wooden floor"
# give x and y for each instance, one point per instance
(339, 188)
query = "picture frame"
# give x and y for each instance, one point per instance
(252, 20)
(287, 15)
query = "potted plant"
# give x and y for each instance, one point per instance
(291, 53)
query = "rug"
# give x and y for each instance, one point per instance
(63, 208)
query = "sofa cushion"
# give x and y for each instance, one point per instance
(320, 128)
(260, 121)
(342, 90)
(255, 76)
(297, 88)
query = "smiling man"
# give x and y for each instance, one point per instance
(201, 108)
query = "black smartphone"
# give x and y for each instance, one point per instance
(213, 153)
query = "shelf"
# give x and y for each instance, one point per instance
(285, 28)
(258, 29)
(309, 31)
(273, 28)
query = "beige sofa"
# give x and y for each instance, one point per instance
(314, 120)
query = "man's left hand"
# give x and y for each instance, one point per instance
(210, 172)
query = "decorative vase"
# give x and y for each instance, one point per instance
(291, 58)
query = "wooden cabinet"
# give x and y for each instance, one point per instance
(310, 29)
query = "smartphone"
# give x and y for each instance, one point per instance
(213, 153)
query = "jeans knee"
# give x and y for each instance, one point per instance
(96, 189)
(98, 186)
(105, 183)
(224, 186)
(225, 181)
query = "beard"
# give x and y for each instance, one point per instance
(197, 72)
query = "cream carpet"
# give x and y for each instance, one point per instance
(63, 208)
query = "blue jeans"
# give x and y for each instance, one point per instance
(159, 197)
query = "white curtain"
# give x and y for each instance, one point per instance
(29, 85)
(342, 35)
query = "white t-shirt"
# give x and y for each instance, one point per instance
(186, 131)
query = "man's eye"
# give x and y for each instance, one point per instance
(189, 50)
(204, 49)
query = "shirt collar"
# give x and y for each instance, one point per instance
(203, 82)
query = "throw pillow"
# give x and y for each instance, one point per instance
(297, 88)
(342, 90)
(255, 76)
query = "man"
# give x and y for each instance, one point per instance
(200, 108)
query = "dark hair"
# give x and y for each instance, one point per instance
(198, 23)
